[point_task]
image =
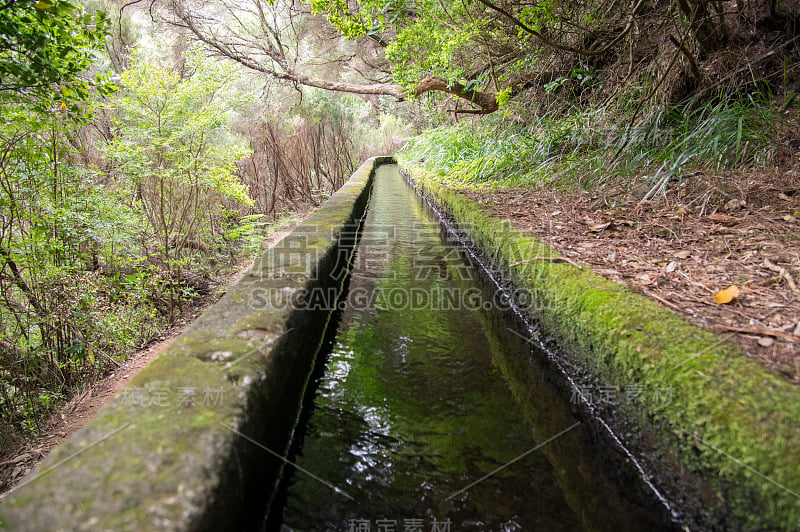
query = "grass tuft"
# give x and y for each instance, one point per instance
(583, 150)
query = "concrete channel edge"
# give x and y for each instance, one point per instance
(190, 443)
(729, 424)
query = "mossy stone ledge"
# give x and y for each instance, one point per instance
(729, 423)
(187, 444)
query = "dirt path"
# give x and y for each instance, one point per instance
(85, 405)
(707, 235)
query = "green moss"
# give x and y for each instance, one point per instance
(158, 456)
(725, 409)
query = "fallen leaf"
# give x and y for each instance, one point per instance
(683, 254)
(723, 218)
(766, 341)
(671, 267)
(726, 296)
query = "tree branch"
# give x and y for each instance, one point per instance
(264, 53)
(563, 47)
(485, 100)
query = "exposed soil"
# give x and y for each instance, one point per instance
(18, 462)
(706, 235)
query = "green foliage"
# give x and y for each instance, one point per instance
(371, 17)
(428, 37)
(59, 324)
(502, 97)
(178, 156)
(575, 151)
(175, 129)
(80, 281)
(61, 319)
(538, 16)
(240, 235)
(425, 47)
(473, 43)
(582, 75)
(338, 14)
(45, 45)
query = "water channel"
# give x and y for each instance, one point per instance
(434, 412)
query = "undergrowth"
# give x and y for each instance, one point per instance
(117, 313)
(586, 149)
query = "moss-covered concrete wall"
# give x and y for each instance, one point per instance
(728, 424)
(190, 443)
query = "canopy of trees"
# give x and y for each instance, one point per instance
(46, 47)
(480, 51)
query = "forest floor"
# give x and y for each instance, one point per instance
(17, 462)
(706, 235)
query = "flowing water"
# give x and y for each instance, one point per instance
(435, 413)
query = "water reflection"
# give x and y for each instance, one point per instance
(420, 400)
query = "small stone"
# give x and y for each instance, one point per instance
(734, 204)
(766, 341)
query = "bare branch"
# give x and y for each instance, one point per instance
(486, 101)
(263, 51)
(558, 46)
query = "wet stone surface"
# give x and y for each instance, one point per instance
(432, 411)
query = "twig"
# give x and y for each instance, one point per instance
(673, 306)
(692, 61)
(119, 20)
(781, 272)
(16, 460)
(552, 44)
(550, 259)
(745, 67)
(762, 332)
